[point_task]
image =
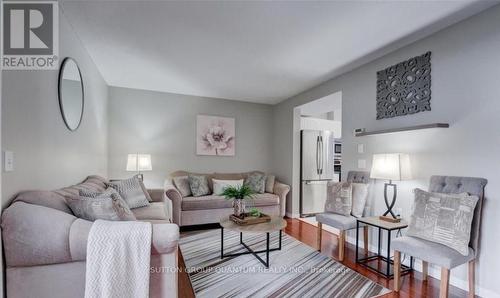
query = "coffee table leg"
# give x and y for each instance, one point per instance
(241, 237)
(267, 250)
(222, 243)
(279, 247)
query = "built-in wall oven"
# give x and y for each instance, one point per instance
(337, 159)
(338, 148)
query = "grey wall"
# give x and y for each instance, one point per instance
(164, 125)
(47, 154)
(465, 93)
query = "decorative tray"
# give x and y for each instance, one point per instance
(250, 220)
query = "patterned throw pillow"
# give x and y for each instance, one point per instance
(182, 185)
(131, 191)
(220, 185)
(359, 196)
(270, 179)
(92, 206)
(443, 218)
(256, 182)
(339, 198)
(198, 185)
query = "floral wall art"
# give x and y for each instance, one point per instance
(215, 135)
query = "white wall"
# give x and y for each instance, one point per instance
(164, 125)
(310, 123)
(465, 93)
(47, 154)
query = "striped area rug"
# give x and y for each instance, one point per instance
(296, 271)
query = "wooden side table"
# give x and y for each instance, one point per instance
(378, 263)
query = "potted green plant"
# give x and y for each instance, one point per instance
(238, 194)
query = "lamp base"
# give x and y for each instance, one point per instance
(389, 219)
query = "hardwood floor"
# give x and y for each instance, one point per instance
(412, 284)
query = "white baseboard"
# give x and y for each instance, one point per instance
(292, 215)
(434, 272)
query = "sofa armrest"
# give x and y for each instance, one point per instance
(159, 195)
(37, 235)
(281, 190)
(165, 238)
(176, 198)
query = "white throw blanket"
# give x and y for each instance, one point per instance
(118, 259)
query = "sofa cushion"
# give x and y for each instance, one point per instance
(132, 192)
(256, 182)
(228, 176)
(107, 206)
(184, 173)
(119, 205)
(182, 185)
(199, 185)
(218, 202)
(55, 199)
(270, 179)
(221, 185)
(155, 211)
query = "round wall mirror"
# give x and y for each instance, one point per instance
(71, 97)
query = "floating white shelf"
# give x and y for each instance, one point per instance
(408, 128)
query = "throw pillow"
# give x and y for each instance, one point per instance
(131, 191)
(220, 185)
(145, 190)
(107, 206)
(182, 185)
(256, 182)
(339, 198)
(443, 218)
(198, 185)
(270, 179)
(359, 197)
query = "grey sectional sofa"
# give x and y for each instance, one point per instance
(45, 245)
(190, 210)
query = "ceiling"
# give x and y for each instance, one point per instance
(261, 52)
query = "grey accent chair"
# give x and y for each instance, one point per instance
(344, 223)
(434, 253)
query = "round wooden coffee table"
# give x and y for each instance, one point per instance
(277, 224)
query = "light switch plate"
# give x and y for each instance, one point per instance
(8, 161)
(361, 148)
(361, 164)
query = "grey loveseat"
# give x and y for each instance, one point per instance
(45, 245)
(209, 209)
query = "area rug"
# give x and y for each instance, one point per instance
(296, 270)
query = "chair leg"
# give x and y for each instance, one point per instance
(365, 239)
(425, 270)
(397, 271)
(472, 278)
(341, 245)
(319, 235)
(445, 283)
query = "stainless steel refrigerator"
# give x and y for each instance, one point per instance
(317, 169)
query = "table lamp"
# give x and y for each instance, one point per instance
(139, 163)
(392, 167)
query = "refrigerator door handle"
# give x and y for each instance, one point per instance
(317, 155)
(321, 155)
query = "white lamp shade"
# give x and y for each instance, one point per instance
(391, 166)
(139, 162)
